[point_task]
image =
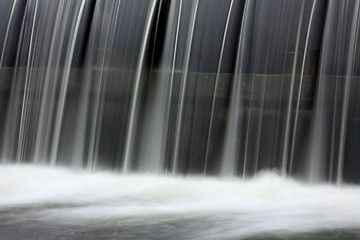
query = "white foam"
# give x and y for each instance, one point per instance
(226, 208)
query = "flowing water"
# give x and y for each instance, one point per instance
(187, 103)
(46, 201)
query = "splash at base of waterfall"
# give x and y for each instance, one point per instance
(79, 204)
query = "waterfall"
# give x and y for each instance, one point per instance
(135, 95)
(179, 119)
(328, 139)
(226, 88)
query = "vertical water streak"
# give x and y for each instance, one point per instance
(8, 137)
(94, 130)
(183, 86)
(174, 56)
(31, 79)
(291, 159)
(19, 153)
(262, 106)
(51, 81)
(216, 85)
(42, 53)
(130, 135)
(340, 38)
(263, 89)
(348, 82)
(113, 28)
(285, 156)
(7, 31)
(48, 95)
(153, 137)
(171, 84)
(250, 109)
(100, 85)
(334, 61)
(63, 87)
(157, 23)
(230, 148)
(84, 102)
(272, 41)
(316, 145)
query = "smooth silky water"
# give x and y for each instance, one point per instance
(179, 119)
(41, 202)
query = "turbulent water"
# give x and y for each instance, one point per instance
(40, 202)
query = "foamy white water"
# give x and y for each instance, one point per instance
(205, 208)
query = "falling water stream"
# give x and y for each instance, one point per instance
(186, 119)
